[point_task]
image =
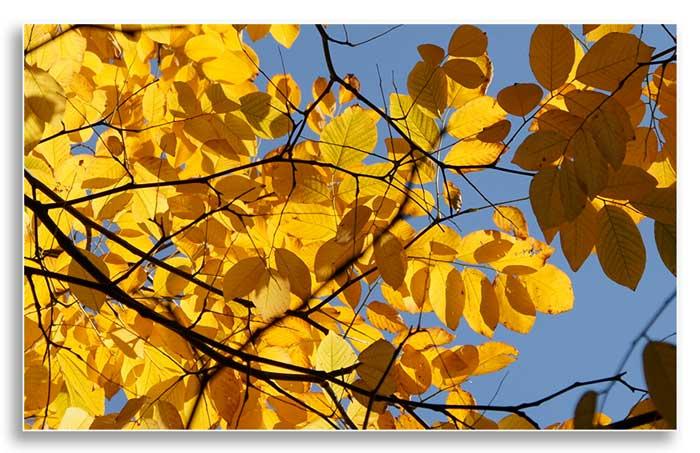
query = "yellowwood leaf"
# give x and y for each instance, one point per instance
(494, 356)
(665, 236)
(511, 220)
(284, 34)
(584, 414)
(427, 85)
(515, 421)
(619, 246)
(659, 204)
(345, 95)
(552, 55)
(629, 183)
(474, 116)
(481, 304)
(293, 268)
(88, 296)
(75, 418)
(579, 236)
(546, 199)
(375, 366)
(266, 115)
(418, 126)
(385, 317)
(335, 353)
(515, 307)
(353, 225)
(473, 155)
(550, 290)
(272, 295)
(453, 196)
(594, 32)
(447, 294)
(431, 54)
(391, 260)
(612, 59)
(413, 373)
(660, 373)
(467, 41)
(464, 72)
(243, 277)
(541, 149)
(519, 99)
(349, 138)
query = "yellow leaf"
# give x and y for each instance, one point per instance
(619, 246)
(545, 198)
(418, 126)
(573, 199)
(629, 183)
(427, 85)
(514, 421)
(391, 260)
(385, 317)
(515, 307)
(75, 418)
(659, 204)
(473, 155)
(204, 47)
(579, 236)
(584, 414)
(551, 55)
(375, 366)
(494, 356)
(272, 295)
(481, 306)
(266, 115)
(353, 225)
(284, 34)
(284, 88)
(665, 236)
(431, 54)
(414, 375)
(349, 138)
(453, 196)
(429, 338)
(465, 72)
(335, 353)
(87, 296)
(447, 294)
(293, 268)
(243, 277)
(613, 58)
(541, 149)
(549, 289)
(594, 32)
(153, 104)
(44, 103)
(467, 41)
(510, 219)
(82, 392)
(495, 133)
(231, 67)
(451, 367)
(475, 116)
(345, 95)
(660, 374)
(520, 98)
(590, 166)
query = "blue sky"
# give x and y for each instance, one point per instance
(585, 343)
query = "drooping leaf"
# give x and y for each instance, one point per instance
(659, 361)
(619, 246)
(551, 55)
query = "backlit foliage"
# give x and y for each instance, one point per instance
(229, 249)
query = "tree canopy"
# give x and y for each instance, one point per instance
(226, 256)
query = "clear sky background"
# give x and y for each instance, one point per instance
(585, 343)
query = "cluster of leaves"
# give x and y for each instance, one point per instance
(218, 284)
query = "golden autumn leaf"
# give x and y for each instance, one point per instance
(467, 41)
(551, 55)
(620, 249)
(659, 361)
(519, 99)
